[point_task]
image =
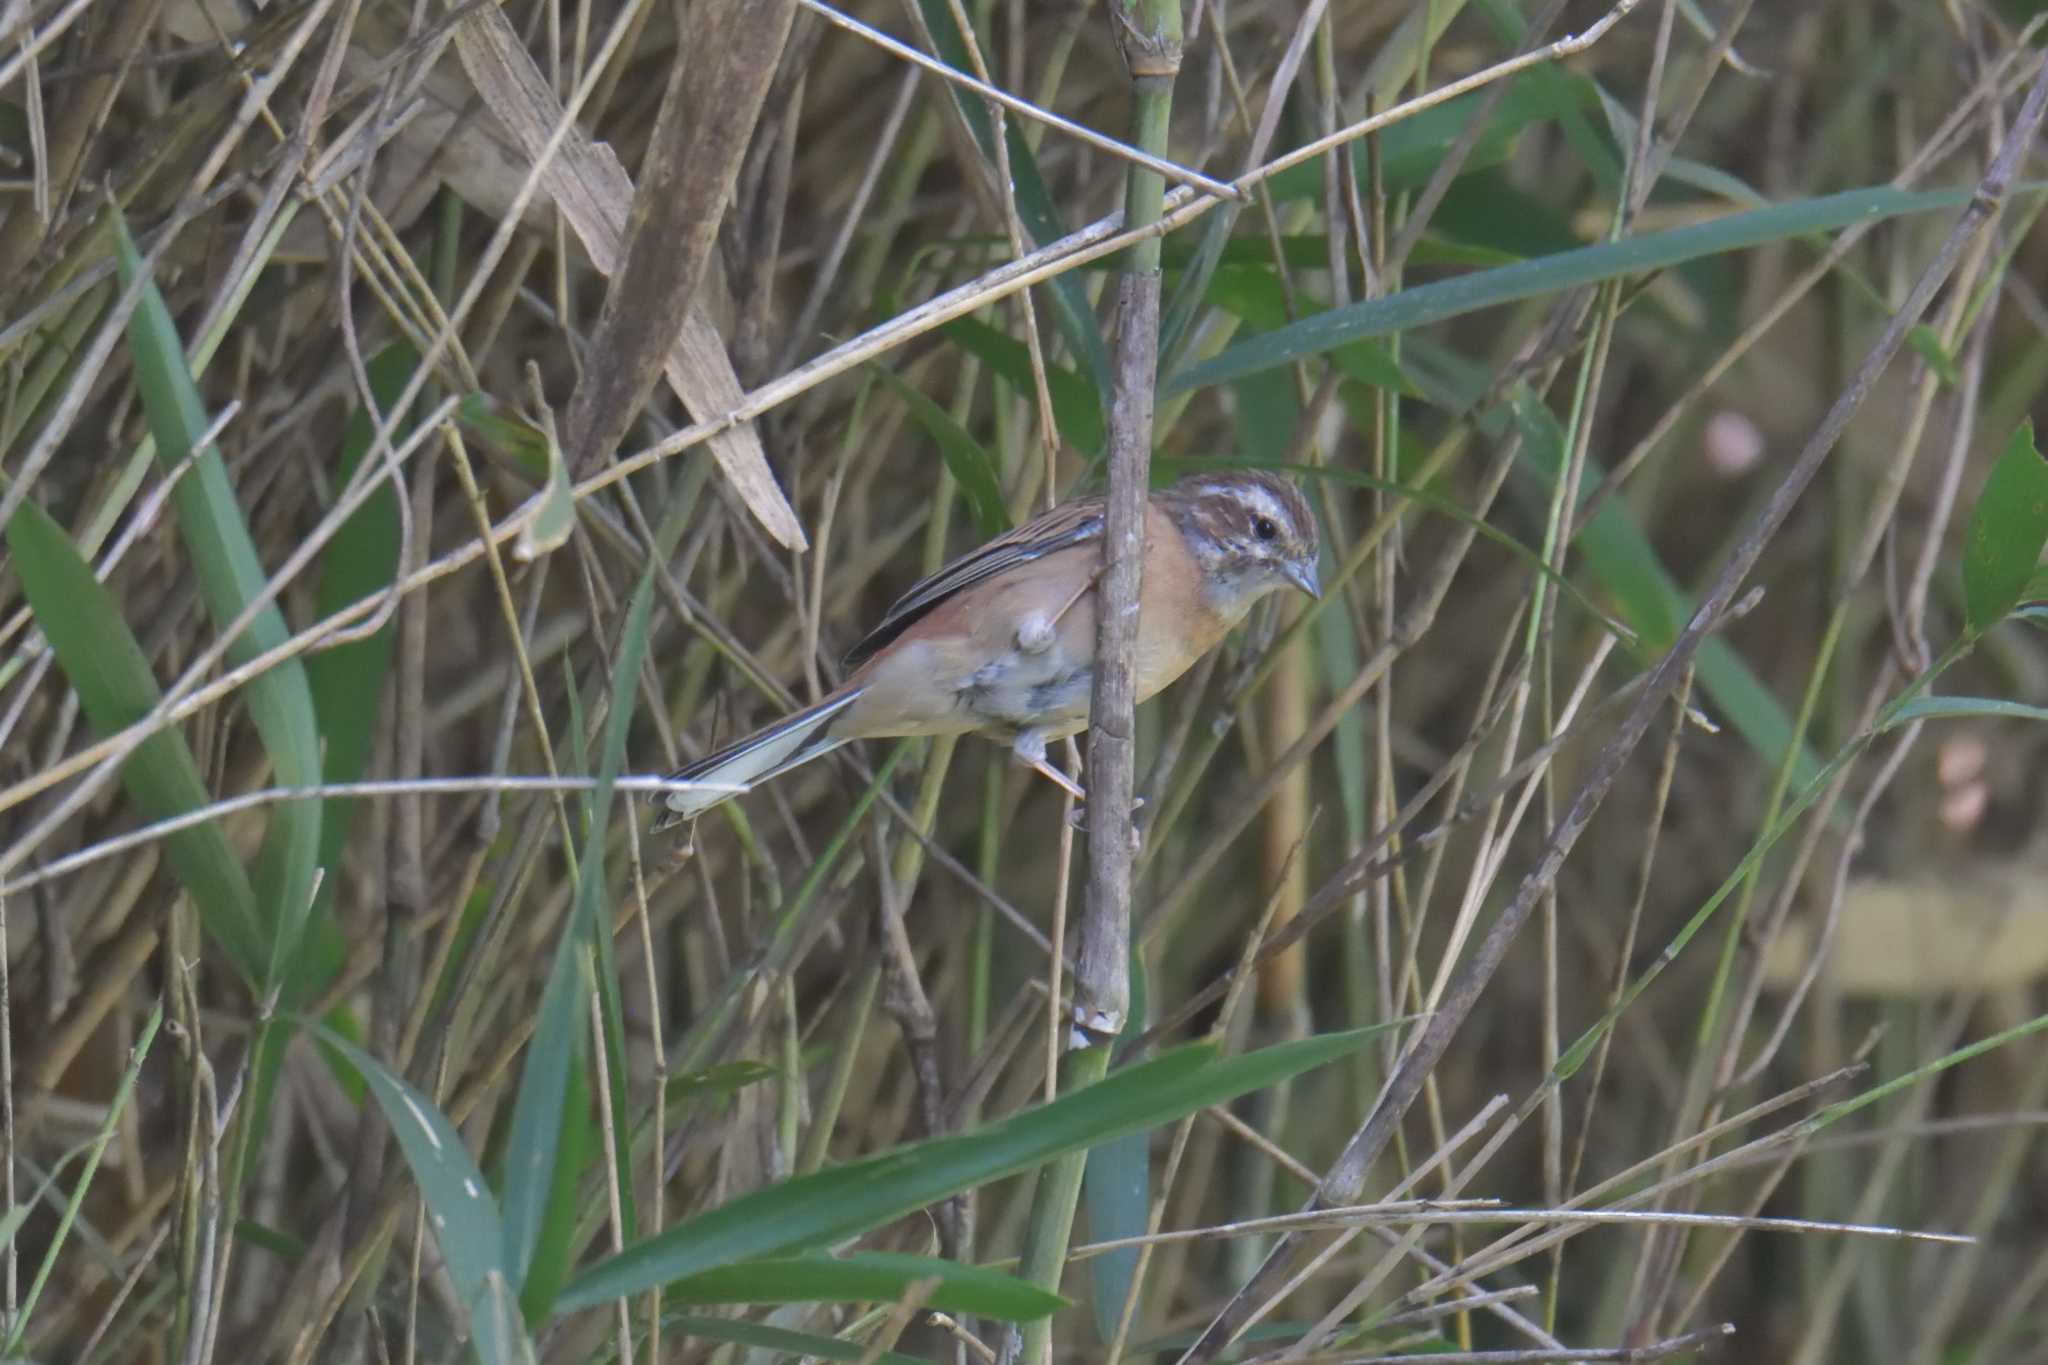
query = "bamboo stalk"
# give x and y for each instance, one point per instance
(1148, 33)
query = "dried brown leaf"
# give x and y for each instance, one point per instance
(587, 182)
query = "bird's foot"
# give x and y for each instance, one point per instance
(1078, 818)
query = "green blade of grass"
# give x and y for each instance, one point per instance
(817, 1209)
(1963, 708)
(558, 1038)
(463, 1214)
(1550, 274)
(231, 577)
(973, 468)
(124, 1089)
(611, 1013)
(555, 1244)
(543, 1146)
(347, 681)
(2002, 553)
(1254, 294)
(538, 1111)
(1074, 406)
(105, 665)
(867, 1277)
(612, 1019)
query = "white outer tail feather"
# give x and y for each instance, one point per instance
(742, 766)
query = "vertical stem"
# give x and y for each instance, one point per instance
(1149, 34)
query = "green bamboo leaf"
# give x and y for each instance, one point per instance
(1451, 298)
(1074, 404)
(1488, 212)
(818, 1209)
(1036, 210)
(780, 1339)
(1254, 294)
(866, 1277)
(2002, 554)
(973, 468)
(105, 665)
(1600, 156)
(230, 578)
(460, 1208)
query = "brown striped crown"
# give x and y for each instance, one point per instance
(1251, 531)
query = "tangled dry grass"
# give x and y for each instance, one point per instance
(493, 408)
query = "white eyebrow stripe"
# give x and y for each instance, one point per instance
(1262, 501)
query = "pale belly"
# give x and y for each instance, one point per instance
(969, 665)
(955, 685)
(927, 688)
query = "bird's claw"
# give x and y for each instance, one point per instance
(1078, 818)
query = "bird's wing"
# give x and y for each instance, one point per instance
(1069, 524)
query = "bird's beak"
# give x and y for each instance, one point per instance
(1302, 574)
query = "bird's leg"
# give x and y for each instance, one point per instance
(1035, 632)
(1029, 749)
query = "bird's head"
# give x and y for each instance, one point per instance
(1251, 532)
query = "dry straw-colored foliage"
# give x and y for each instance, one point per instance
(748, 293)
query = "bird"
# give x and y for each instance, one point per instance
(1001, 641)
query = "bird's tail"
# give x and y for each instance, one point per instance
(742, 766)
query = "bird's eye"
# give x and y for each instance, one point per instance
(1263, 528)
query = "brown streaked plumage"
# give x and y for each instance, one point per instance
(1002, 640)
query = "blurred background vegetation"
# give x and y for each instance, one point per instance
(393, 1072)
